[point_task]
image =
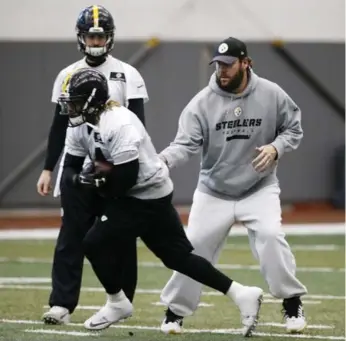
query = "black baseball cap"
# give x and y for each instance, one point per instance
(229, 50)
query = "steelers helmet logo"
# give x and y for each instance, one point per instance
(118, 75)
(238, 111)
(223, 48)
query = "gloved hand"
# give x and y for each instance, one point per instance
(89, 178)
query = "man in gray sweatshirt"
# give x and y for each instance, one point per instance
(243, 124)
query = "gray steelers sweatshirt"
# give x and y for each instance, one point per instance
(227, 128)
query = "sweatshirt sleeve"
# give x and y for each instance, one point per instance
(188, 141)
(289, 128)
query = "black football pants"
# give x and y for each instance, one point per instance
(81, 210)
(157, 223)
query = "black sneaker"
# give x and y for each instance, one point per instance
(293, 312)
(172, 324)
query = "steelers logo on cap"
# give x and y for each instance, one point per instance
(223, 48)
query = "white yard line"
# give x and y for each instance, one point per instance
(309, 326)
(24, 280)
(30, 260)
(202, 304)
(58, 332)
(294, 247)
(42, 287)
(82, 307)
(289, 229)
(156, 291)
(264, 301)
(246, 267)
(27, 260)
(306, 302)
(301, 336)
(212, 331)
(265, 324)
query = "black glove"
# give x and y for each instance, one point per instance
(89, 179)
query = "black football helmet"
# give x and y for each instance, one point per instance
(85, 96)
(95, 20)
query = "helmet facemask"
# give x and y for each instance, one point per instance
(80, 109)
(95, 52)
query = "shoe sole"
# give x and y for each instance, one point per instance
(100, 327)
(297, 331)
(106, 325)
(50, 320)
(248, 332)
(174, 332)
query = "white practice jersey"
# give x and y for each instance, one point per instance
(122, 138)
(124, 82)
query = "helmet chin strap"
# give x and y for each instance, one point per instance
(96, 51)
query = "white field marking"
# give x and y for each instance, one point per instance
(82, 307)
(30, 260)
(246, 267)
(29, 234)
(58, 332)
(264, 301)
(212, 331)
(157, 291)
(43, 287)
(289, 229)
(24, 280)
(309, 326)
(202, 304)
(280, 301)
(294, 247)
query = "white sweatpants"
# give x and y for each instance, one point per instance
(209, 223)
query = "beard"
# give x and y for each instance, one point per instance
(233, 84)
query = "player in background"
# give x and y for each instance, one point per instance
(138, 201)
(244, 124)
(95, 35)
